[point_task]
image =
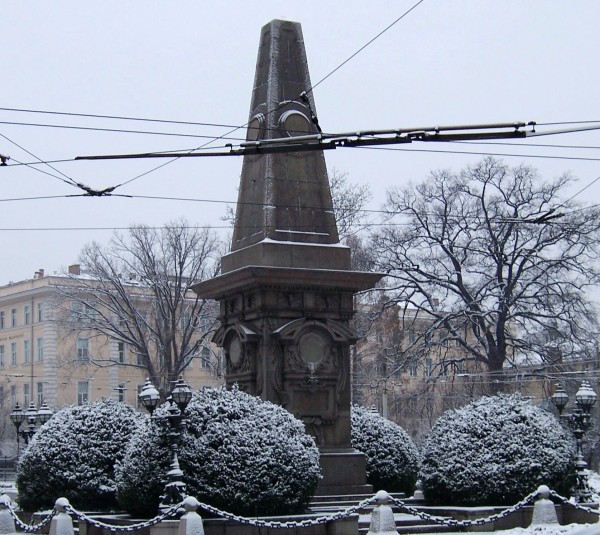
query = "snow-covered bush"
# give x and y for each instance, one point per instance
(73, 456)
(495, 451)
(392, 457)
(237, 453)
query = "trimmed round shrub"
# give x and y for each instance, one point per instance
(238, 453)
(495, 451)
(392, 457)
(73, 456)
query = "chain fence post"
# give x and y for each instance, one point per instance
(191, 522)
(7, 522)
(382, 517)
(62, 523)
(544, 512)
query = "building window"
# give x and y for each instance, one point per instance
(82, 313)
(40, 312)
(13, 395)
(121, 393)
(83, 392)
(412, 369)
(140, 359)
(27, 314)
(184, 321)
(40, 393)
(2, 356)
(205, 357)
(40, 349)
(26, 395)
(83, 350)
(1, 396)
(26, 352)
(13, 317)
(428, 371)
(13, 353)
(121, 352)
(1, 319)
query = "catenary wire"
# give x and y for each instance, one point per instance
(482, 153)
(67, 180)
(118, 130)
(365, 46)
(400, 149)
(120, 117)
(231, 131)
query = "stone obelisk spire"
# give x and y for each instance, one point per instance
(284, 198)
(286, 291)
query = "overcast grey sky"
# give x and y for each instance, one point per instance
(447, 62)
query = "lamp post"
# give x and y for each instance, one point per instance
(181, 394)
(375, 385)
(33, 417)
(579, 422)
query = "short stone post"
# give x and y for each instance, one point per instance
(382, 517)
(62, 523)
(544, 512)
(191, 522)
(7, 522)
(418, 495)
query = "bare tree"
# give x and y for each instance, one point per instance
(497, 260)
(349, 203)
(137, 290)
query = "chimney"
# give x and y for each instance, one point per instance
(74, 269)
(38, 274)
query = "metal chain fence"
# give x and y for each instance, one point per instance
(31, 528)
(172, 511)
(289, 524)
(308, 522)
(576, 505)
(464, 523)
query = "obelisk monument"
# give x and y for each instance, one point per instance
(286, 290)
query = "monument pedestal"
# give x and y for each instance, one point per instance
(344, 473)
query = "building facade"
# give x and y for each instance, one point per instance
(42, 359)
(409, 371)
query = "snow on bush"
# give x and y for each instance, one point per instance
(238, 453)
(73, 456)
(495, 451)
(392, 457)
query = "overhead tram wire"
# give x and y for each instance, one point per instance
(365, 46)
(229, 132)
(120, 118)
(67, 179)
(117, 130)
(480, 153)
(372, 147)
(183, 152)
(232, 202)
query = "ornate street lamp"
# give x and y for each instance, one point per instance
(149, 397)
(44, 414)
(181, 394)
(175, 488)
(579, 422)
(32, 416)
(17, 416)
